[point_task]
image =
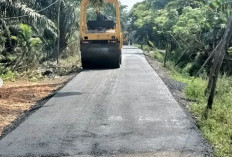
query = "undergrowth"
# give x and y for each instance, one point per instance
(9, 76)
(217, 128)
(66, 66)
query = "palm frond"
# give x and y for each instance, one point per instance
(97, 3)
(27, 14)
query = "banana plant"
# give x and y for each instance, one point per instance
(28, 49)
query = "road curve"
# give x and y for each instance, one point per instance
(118, 112)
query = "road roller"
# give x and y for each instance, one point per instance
(101, 39)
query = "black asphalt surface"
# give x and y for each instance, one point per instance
(116, 112)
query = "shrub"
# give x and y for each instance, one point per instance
(157, 55)
(187, 68)
(195, 89)
(9, 76)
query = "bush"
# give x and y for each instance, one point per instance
(187, 68)
(195, 89)
(157, 55)
(9, 76)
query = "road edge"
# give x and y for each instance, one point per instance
(183, 104)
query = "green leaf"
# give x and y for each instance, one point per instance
(14, 37)
(215, 4)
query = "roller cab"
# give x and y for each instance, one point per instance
(101, 37)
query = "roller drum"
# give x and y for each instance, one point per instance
(107, 55)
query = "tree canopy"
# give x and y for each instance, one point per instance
(193, 27)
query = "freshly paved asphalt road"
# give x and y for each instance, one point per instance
(119, 112)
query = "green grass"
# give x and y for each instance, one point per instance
(157, 55)
(9, 76)
(217, 128)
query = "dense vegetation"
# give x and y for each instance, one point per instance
(190, 31)
(29, 33)
(192, 28)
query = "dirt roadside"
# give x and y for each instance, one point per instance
(20, 98)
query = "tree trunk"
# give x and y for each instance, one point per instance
(179, 60)
(7, 34)
(218, 58)
(58, 33)
(63, 27)
(166, 54)
(21, 58)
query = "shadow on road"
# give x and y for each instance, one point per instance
(98, 69)
(66, 94)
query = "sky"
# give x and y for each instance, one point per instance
(130, 3)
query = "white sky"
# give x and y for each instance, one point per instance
(130, 3)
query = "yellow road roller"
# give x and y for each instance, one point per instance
(101, 39)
